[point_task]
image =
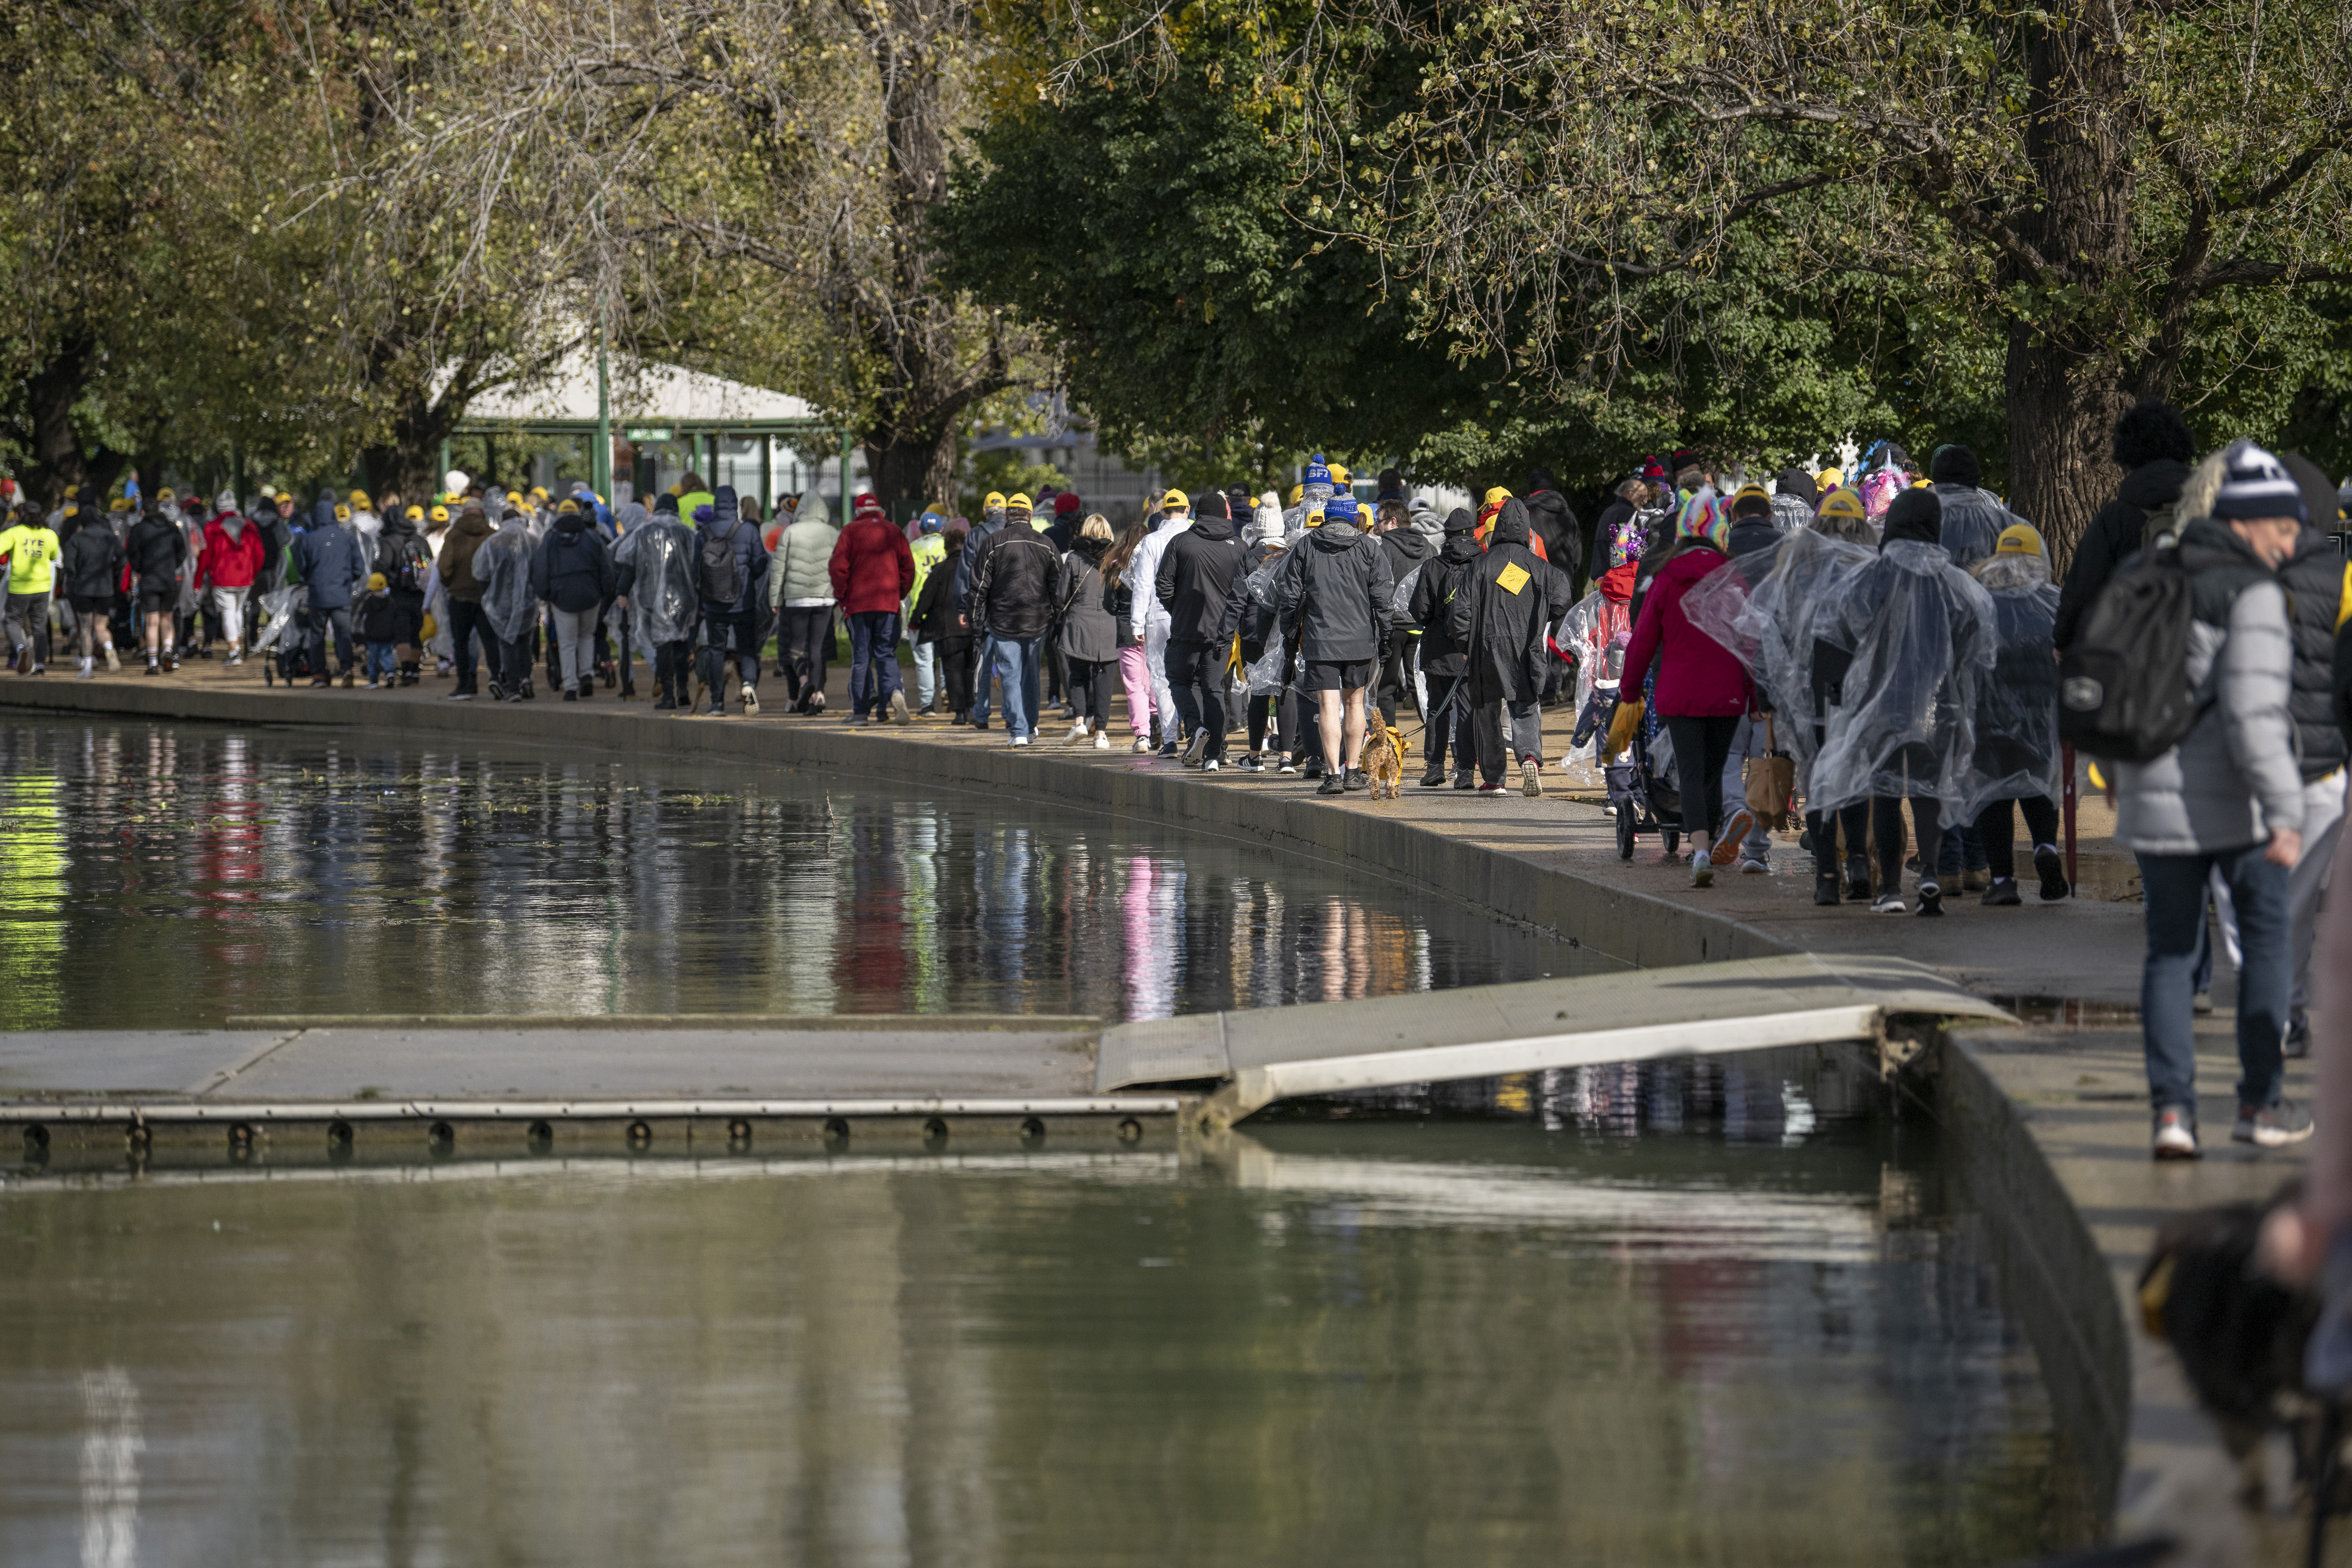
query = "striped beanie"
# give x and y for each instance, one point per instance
(2256, 484)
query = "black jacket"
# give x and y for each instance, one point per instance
(1433, 597)
(1554, 521)
(934, 617)
(1335, 588)
(156, 550)
(1505, 609)
(379, 618)
(401, 556)
(1013, 586)
(91, 563)
(1407, 549)
(2313, 580)
(2114, 534)
(571, 569)
(1196, 572)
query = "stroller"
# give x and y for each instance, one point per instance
(283, 651)
(1645, 795)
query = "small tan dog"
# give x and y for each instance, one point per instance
(1384, 761)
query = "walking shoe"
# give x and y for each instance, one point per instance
(1020, 740)
(2270, 1126)
(87, 671)
(751, 696)
(1250, 762)
(1496, 788)
(1311, 767)
(498, 692)
(816, 703)
(1703, 871)
(899, 714)
(2176, 1135)
(1976, 881)
(318, 683)
(980, 723)
(24, 661)
(1753, 865)
(1931, 898)
(1102, 742)
(1857, 877)
(1888, 904)
(569, 695)
(1825, 891)
(350, 677)
(40, 669)
(1332, 785)
(1196, 748)
(1354, 780)
(458, 697)
(587, 689)
(1211, 765)
(1288, 767)
(112, 661)
(1078, 733)
(1465, 780)
(2297, 1044)
(928, 711)
(375, 686)
(2002, 894)
(2201, 1003)
(665, 703)
(1169, 750)
(1142, 746)
(1436, 777)
(1735, 834)
(523, 693)
(154, 668)
(2052, 866)
(1531, 778)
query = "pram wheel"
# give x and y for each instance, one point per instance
(1671, 837)
(1624, 834)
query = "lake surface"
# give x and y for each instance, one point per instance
(157, 874)
(1684, 1313)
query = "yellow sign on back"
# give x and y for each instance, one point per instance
(1512, 578)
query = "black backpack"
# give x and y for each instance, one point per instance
(2123, 685)
(411, 564)
(722, 574)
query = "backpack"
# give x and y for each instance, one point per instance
(721, 577)
(2161, 530)
(2123, 687)
(410, 567)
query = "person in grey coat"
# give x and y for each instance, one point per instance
(334, 567)
(1335, 589)
(2228, 797)
(1087, 638)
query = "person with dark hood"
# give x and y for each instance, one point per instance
(1554, 521)
(1443, 662)
(654, 590)
(1918, 630)
(1407, 550)
(2016, 766)
(90, 568)
(1012, 603)
(156, 549)
(463, 590)
(1197, 573)
(1795, 498)
(1702, 691)
(2154, 448)
(574, 573)
(1334, 588)
(1087, 638)
(731, 566)
(406, 563)
(935, 623)
(1973, 516)
(1501, 619)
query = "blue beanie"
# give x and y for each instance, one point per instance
(1318, 472)
(1343, 507)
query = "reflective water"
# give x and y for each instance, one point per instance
(1688, 1313)
(161, 874)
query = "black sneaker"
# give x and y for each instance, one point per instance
(1311, 768)
(2052, 866)
(1825, 891)
(1434, 778)
(2297, 1044)
(1465, 781)
(1332, 785)
(1355, 780)
(1931, 898)
(2002, 894)
(1857, 880)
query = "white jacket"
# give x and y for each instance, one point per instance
(1143, 571)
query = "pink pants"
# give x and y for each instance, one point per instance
(1135, 675)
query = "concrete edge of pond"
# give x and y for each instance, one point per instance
(796, 1023)
(2128, 1409)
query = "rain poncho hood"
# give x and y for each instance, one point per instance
(502, 565)
(1502, 613)
(1920, 630)
(661, 551)
(1765, 608)
(2016, 753)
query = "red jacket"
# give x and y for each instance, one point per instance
(1698, 677)
(872, 568)
(230, 563)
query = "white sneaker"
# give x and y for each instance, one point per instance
(1078, 733)
(1211, 765)
(1020, 740)
(898, 708)
(2176, 1135)
(751, 696)
(1102, 742)
(89, 668)
(1888, 904)
(1142, 746)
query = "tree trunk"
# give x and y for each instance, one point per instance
(409, 459)
(2065, 375)
(911, 468)
(51, 394)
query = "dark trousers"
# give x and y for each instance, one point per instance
(1702, 745)
(2179, 941)
(1394, 682)
(1277, 710)
(730, 634)
(1887, 822)
(673, 667)
(467, 620)
(1090, 688)
(1852, 821)
(804, 638)
(955, 673)
(321, 622)
(873, 661)
(1993, 828)
(1196, 677)
(1452, 723)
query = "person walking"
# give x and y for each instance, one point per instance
(1087, 640)
(31, 549)
(938, 628)
(655, 587)
(872, 572)
(1702, 692)
(2229, 796)
(1408, 551)
(234, 553)
(1012, 603)
(733, 569)
(1502, 617)
(993, 512)
(469, 625)
(156, 551)
(800, 589)
(2016, 766)
(1249, 622)
(91, 567)
(502, 561)
(1334, 587)
(1918, 630)
(1448, 726)
(1196, 573)
(1119, 598)
(1754, 534)
(2152, 446)
(406, 563)
(929, 549)
(1148, 617)
(572, 573)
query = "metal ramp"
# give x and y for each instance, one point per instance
(1282, 1053)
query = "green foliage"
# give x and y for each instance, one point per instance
(1007, 470)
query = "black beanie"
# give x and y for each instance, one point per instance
(1459, 520)
(1798, 483)
(1954, 465)
(1914, 514)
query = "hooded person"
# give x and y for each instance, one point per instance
(1445, 662)
(502, 565)
(333, 567)
(573, 574)
(1903, 728)
(2016, 758)
(1197, 573)
(156, 551)
(872, 572)
(462, 587)
(990, 525)
(406, 563)
(1501, 618)
(1250, 626)
(731, 571)
(2153, 446)
(928, 549)
(233, 556)
(1554, 522)
(1974, 518)
(90, 573)
(655, 589)
(1701, 692)
(365, 521)
(1334, 594)
(1407, 550)
(800, 590)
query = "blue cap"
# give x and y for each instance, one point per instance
(1318, 472)
(932, 523)
(1342, 505)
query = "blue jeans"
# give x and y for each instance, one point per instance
(1017, 665)
(873, 641)
(984, 665)
(927, 674)
(2174, 886)
(1962, 849)
(379, 661)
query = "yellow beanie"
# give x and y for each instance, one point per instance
(343, 514)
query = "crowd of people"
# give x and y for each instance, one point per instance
(1889, 647)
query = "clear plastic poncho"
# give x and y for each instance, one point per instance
(1268, 673)
(1765, 607)
(2016, 741)
(662, 599)
(1920, 630)
(1591, 625)
(502, 565)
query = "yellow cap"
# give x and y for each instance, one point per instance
(1497, 496)
(120, 503)
(1829, 479)
(514, 498)
(1176, 498)
(343, 514)
(71, 508)
(567, 508)
(375, 580)
(993, 502)
(72, 491)
(1749, 491)
(539, 492)
(1314, 518)
(438, 514)
(358, 500)
(1016, 499)
(166, 493)
(1341, 477)
(417, 513)
(1297, 494)
(2019, 539)
(1844, 503)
